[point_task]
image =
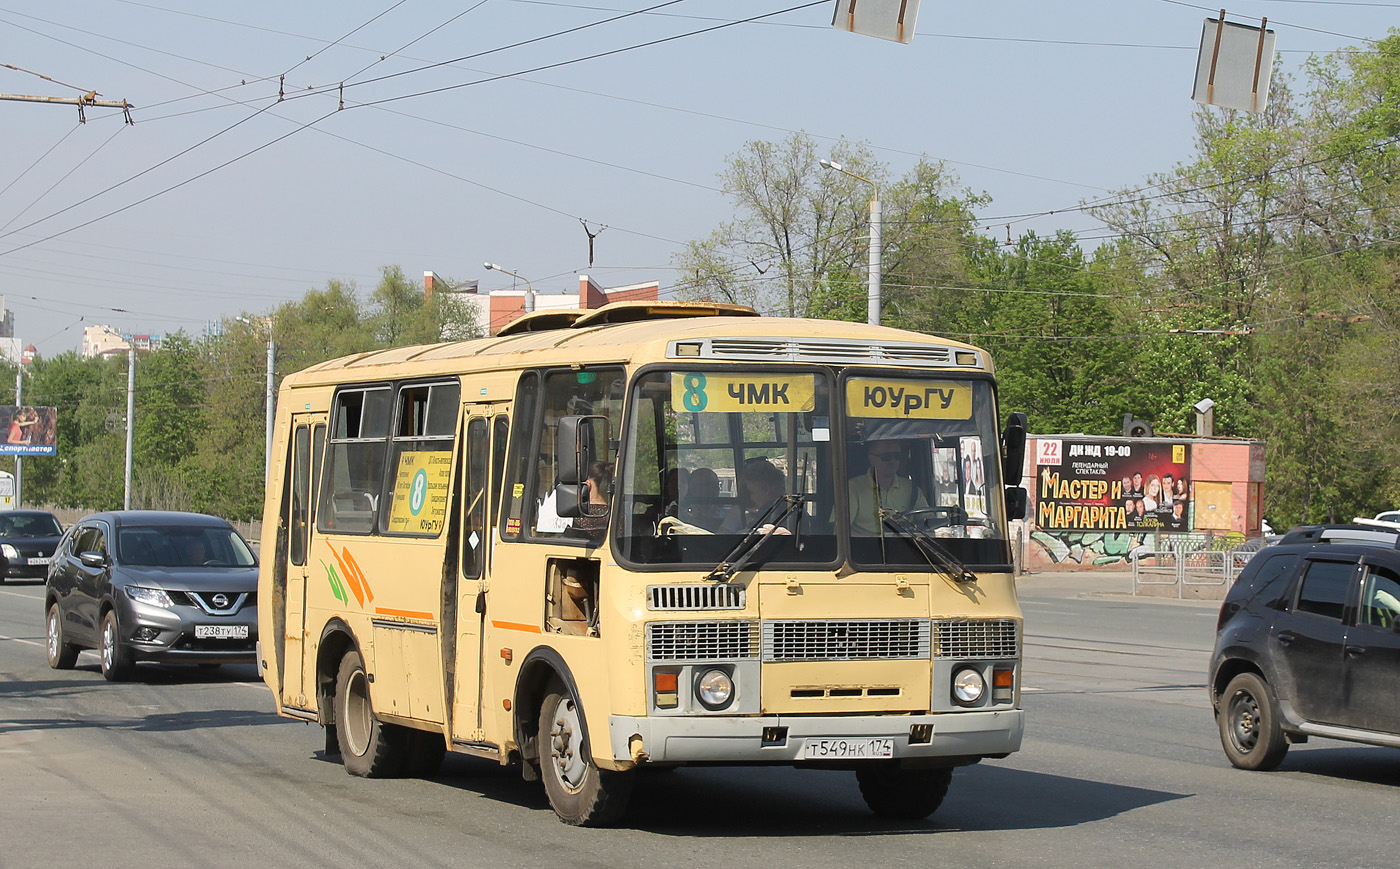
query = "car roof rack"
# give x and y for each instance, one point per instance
(1371, 533)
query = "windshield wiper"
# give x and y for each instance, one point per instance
(743, 553)
(939, 557)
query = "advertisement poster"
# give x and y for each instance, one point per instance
(1130, 485)
(974, 477)
(29, 431)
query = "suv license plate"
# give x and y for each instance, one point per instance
(221, 632)
(840, 749)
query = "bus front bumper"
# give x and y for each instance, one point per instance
(957, 737)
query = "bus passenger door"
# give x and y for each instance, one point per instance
(486, 428)
(308, 436)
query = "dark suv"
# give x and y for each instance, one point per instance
(1308, 644)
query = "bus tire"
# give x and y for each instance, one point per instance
(579, 792)
(61, 653)
(905, 794)
(368, 747)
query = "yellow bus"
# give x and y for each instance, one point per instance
(649, 535)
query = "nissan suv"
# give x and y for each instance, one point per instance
(1308, 644)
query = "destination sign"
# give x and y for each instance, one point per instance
(908, 399)
(715, 392)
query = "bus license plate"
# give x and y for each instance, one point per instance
(221, 632)
(841, 749)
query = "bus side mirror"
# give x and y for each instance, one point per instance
(1016, 502)
(569, 499)
(1013, 448)
(577, 440)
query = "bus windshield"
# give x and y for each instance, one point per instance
(886, 472)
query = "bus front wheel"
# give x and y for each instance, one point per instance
(368, 747)
(907, 794)
(579, 792)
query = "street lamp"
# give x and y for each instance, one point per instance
(529, 290)
(872, 299)
(270, 398)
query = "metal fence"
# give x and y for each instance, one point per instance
(1200, 559)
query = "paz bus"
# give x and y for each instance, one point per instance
(652, 534)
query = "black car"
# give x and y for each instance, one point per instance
(148, 586)
(1308, 644)
(27, 541)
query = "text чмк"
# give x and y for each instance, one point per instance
(760, 393)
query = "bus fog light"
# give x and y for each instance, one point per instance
(968, 686)
(715, 689)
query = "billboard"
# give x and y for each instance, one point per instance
(29, 431)
(1105, 485)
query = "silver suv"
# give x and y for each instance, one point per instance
(150, 586)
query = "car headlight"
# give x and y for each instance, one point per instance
(968, 686)
(9, 551)
(151, 596)
(715, 689)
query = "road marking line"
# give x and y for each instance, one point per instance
(26, 642)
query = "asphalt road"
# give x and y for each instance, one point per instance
(1121, 767)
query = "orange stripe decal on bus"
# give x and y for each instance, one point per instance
(403, 614)
(353, 575)
(516, 626)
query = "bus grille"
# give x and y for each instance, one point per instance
(976, 638)
(847, 352)
(701, 641)
(695, 597)
(845, 640)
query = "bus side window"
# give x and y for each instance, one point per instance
(522, 450)
(300, 493)
(354, 471)
(570, 392)
(474, 497)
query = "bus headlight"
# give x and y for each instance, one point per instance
(968, 686)
(715, 689)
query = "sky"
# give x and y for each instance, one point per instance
(278, 146)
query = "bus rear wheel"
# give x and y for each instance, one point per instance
(579, 792)
(906, 794)
(368, 747)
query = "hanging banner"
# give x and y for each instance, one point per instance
(29, 431)
(1128, 485)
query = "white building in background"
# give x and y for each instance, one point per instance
(105, 340)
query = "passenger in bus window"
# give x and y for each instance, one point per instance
(884, 485)
(760, 485)
(594, 521)
(702, 506)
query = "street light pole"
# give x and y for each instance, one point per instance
(529, 290)
(872, 298)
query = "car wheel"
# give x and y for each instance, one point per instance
(117, 662)
(907, 794)
(368, 747)
(579, 792)
(1249, 726)
(62, 654)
